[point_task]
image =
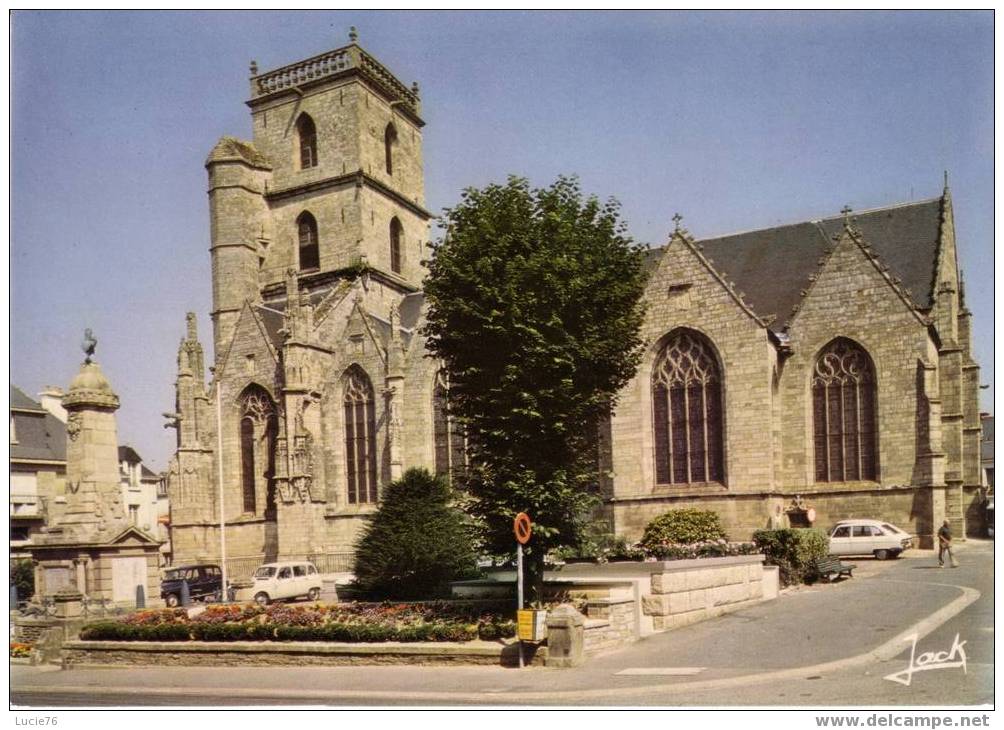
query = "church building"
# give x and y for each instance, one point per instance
(822, 369)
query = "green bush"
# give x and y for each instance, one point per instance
(682, 526)
(417, 541)
(793, 551)
(495, 630)
(117, 631)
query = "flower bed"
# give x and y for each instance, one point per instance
(352, 622)
(19, 650)
(705, 549)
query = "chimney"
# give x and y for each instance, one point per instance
(51, 399)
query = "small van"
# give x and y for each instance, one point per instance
(278, 581)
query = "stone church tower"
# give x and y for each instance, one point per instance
(318, 232)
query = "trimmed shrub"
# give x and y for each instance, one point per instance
(495, 630)
(682, 526)
(116, 631)
(793, 550)
(417, 542)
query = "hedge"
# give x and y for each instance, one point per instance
(334, 632)
(793, 551)
(682, 526)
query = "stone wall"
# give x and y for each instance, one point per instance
(694, 593)
(610, 624)
(231, 654)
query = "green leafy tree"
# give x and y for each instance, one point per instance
(417, 542)
(22, 575)
(535, 308)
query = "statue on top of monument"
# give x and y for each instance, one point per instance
(88, 345)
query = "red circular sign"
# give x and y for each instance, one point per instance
(522, 528)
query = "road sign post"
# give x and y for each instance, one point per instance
(522, 528)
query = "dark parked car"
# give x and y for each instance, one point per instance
(204, 582)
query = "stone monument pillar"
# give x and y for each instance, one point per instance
(94, 497)
(91, 548)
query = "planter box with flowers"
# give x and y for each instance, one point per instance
(354, 622)
(316, 634)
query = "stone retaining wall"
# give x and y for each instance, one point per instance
(694, 593)
(273, 653)
(610, 623)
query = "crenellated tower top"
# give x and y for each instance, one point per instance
(295, 78)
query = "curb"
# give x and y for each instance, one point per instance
(883, 652)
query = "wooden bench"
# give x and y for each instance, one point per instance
(830, 566)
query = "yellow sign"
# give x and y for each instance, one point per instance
(531, 624)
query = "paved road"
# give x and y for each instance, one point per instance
(820, 645)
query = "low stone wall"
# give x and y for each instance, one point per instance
(610, 624)
(682, 595)
(273, 653)
(30, 630)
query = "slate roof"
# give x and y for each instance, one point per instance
(128, 454)
(772, 266)
(18, 399)
(39, 435)
(231, 148)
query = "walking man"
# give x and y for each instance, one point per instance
(945, 546)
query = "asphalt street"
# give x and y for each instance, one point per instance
(828, 644)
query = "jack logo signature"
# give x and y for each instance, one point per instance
(951, 659)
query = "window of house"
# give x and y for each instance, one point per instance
(133, 514)
(389, 140)
(449, 440)
(687, 411)
(310, 254)
(845, 437)
(395, 245)
(306, 133)
(360, 437)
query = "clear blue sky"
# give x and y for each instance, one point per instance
(736, 120)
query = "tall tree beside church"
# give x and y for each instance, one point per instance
(535, 308)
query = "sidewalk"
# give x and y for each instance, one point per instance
(804, 628)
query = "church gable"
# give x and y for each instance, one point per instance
(685, 288)
(853, 289)
(133, 536)
(251, 351)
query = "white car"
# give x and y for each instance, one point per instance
(868, 537)
(275, 581)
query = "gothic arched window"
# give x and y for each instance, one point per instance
(448, 436)
(306, 231)
(307, 135)
(687, 411)
(845, 436)
(360, 437)
(389, 140)
(258, 427)
(395, 245)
